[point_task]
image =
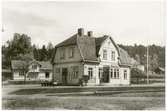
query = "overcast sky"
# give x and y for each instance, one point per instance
(127, 22)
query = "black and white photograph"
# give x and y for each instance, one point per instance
(83, 55)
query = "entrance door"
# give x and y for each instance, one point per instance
(105, 77)
(64, 76)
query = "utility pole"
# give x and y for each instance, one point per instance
(147, 64)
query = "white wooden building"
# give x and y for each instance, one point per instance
(34, 70)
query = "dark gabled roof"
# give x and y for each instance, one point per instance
(34, 61)
(85, 44)
(19, 64)
(70, 41)
(100, 40)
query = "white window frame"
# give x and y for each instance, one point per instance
(113, 55)
(100, 72)
(105, 54)
(21, 73)
(90, 72)
(125, 74)
(117, 73)
(112, 73)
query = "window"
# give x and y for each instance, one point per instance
(70, 78)
(117, 73)
(62, 53)
(113, 55)
(90, 73)
(111, 73)
(75, 72)
(125, 74)
(21, 73)
(71, 52)
(105, 54)
(46, 74)
(34, 66)
(100, 72)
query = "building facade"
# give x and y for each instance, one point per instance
(100, 59)
(32, 70)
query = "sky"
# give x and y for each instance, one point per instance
(140, 22)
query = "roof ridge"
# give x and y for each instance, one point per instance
(67, 40)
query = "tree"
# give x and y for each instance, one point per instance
(141, 51)
(137, 74)
(50, 50)
(18, 46)
(35, 52)
(137, 58)
(154, 62)
(21, 44)
(43, 54)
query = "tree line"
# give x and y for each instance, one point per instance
(156, 56)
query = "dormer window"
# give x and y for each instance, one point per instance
(105, 54)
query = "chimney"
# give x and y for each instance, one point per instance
(80, 31)
(90, 33)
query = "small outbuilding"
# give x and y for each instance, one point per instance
(31, 70)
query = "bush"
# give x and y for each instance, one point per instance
(136, 73)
